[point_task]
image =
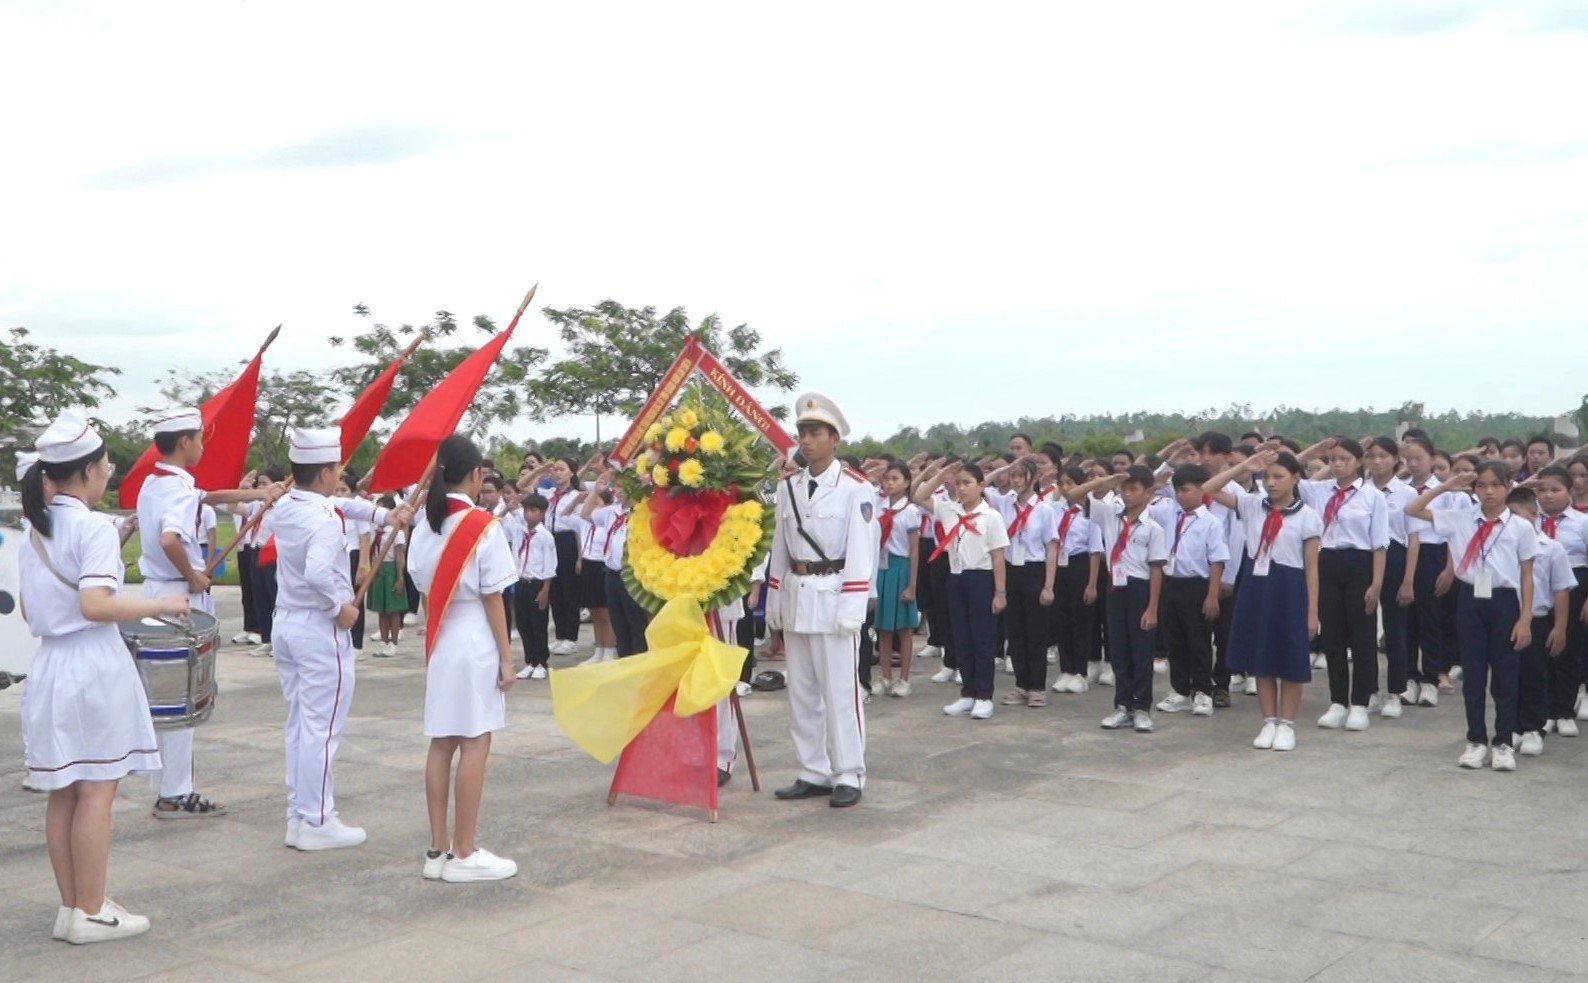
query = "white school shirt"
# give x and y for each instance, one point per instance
(617, 540)
(1423, 529)
(1363, 520)
(490, 571)
(907, 518)
(972, 550)
(1503, 552)
(590, 544)
(1147, 547)
(1200, 543)
(1551, 573)
(383, 533)
(209, 521)
(1289, 548)
(169, 502)
(84, 547)
(1081, 537)
(357, 529)
(593, 540)
(555, 501)
(1234, 540)
(311, 549)
(1030, 543)
(513, 528)
(1397, 495)
(537, 555)
(1571, 532)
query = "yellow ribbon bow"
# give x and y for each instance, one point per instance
(603, 707)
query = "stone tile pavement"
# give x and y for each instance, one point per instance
(1033, 844)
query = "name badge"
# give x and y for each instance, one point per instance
(1119, 576)
(1064, 557)
(1483, 585)
(1261, 565)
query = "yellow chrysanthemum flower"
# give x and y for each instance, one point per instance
(711, 442)
(660, 476)
(654, 433)
(691, 473)
(676, 438)
(687, 419)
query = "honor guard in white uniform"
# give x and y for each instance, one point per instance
(824, 554)
(170, 527)
(311, 637)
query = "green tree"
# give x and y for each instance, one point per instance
(36, 383)
(617, 355)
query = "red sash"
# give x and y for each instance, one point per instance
(455, 555)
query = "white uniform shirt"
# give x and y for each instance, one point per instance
(1196, 538)
(616, 539)
(1397, 495)
(969, 550)
(1145, 548)
(311, 550)
(907, 518)
(84, 547)
(1289, 548)
(537, 555)
(1511, 542)
(1424, 530)
(209, 522)
(1571, 532)
(1362, 522)
(513, 528)
(1551, 573)
(490, 572)
(1029, 543)
(169, 502)
(836, 509)
(1077, 538)
(556, 502)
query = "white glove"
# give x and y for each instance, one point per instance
(848, 628)
(774, 612)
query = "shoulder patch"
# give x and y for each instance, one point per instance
(865, 511)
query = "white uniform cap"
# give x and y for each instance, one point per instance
(315, 446)
(816, 408)
(70, 438)
(178, 421)
(25, 460)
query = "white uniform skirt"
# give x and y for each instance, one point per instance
(461, 697)
(85, 716)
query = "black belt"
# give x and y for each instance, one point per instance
(817, 568)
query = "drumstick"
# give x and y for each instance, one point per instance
(419, 496)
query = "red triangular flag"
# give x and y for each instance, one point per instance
(228, 429)
(361, 416)
(435, 417)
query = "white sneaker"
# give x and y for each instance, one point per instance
(932, 652)
(1106, 677)
(878, 687)
(481, 865)
(1320, 661)
(409, 620)
(1334, 717)
(1202, 705)
(1053, 655)
(1549, 726)
(111, 923)
(1428, 696)
(958, 680)
(539, 672)
(294, 830)
(1413, 691)
(1142, 720)
(262, 650)
(1532, 744)
(1455, 674)
(960, 707)
(1009, 665)
(241, 638)
(1160, 667)
(1119, 718)
(1375, 703)
(982, 710)
(743, 690)
(528, 672)
(1285, 736)
(1356, 719)
(1251, 685)
(596, 657)
(560, 647)
(63, 922)
(1391, 710)
(1078, 684)
(1062, 684)
(1237, 680)
(435, 860)
(1175, 703)
(943, 675)
(1094, 671)
(358, 653)
(331, 835)
(1566, 728)
(1264, 741)
(1582, 707)
(901, 688)
(1475, 756)
(1503, 759)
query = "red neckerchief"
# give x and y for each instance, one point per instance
(966, 521)
(618, 523)
(1331, 512)
(1273, 523)
(1550, 522)
(1022, 516)
(1118, 552)
(1179, 527)
(885, 520)
(1474, 551)
(1065, 523)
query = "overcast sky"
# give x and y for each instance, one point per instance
(1039, 208)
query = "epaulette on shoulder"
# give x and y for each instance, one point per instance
(857, 475)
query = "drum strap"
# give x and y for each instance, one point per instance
(38, 546)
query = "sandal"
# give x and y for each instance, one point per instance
(190, 806)
(1036, 699)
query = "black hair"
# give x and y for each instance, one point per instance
(974, 470)
(1350, 446)
(1077, 474)
(534, 500)
(902, 468)
(1542, 439)
(34, 505)
(1290, 463)
(1251, 435)
(1555, 471)
(1054, 451)
(1138, 475)
(606, 496)
(1469, 458)
(1152, 461)
(1214, 442)
(387, 501)
(1025, 437)
(1522, 495)
(573, 468)
(1496, 468)
(1513, 442)
(1417, 433)
(1190, 474)
(1422, 442)
(494, 480)
(850, 461)
(532, 456)
(456, 459)
(166, 442)
(304, 475)
(1446, 455)
(275, 474)
(1289, 445)
(350, 478)
(1488, 442)
(1385, 444)
(1122, 450)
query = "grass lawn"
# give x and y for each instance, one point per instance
(224, 534)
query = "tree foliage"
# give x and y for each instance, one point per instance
(616, 356)
(286, 399)
(37, 382)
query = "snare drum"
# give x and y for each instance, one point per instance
(177, 665)
(17, 644)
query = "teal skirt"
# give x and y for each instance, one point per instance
(894, 614)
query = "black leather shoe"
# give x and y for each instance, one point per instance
(723, 777)
(801, 789)
(844, 796)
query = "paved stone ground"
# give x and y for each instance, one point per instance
(1033, 844)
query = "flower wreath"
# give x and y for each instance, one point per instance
(699, 527)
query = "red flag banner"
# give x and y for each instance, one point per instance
(228, 429)
(435, 417)
(361, 416)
